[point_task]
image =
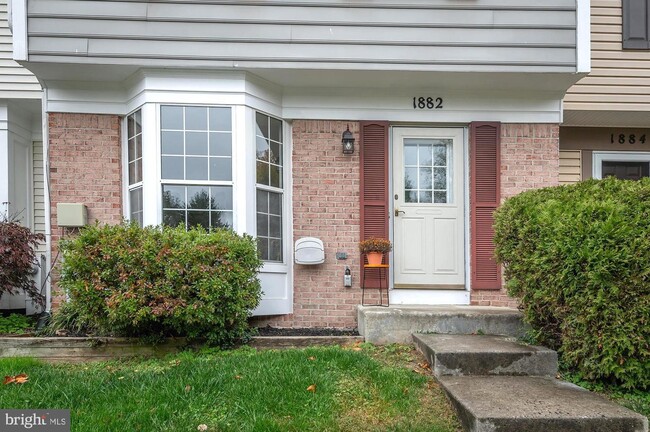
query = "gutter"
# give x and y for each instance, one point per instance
(47, 203)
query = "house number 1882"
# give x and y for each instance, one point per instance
(427, 102)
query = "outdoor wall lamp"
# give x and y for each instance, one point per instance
(348, 141)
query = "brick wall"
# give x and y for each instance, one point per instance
(84, 167)
(530, 159)
(325, 205)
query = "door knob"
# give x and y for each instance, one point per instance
(398, 211)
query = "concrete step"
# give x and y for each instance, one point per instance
(484, 355)
(535, 404)
(395, 324)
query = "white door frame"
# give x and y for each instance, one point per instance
(615, 156)
(432, 297)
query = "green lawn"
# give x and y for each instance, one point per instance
(362, 388)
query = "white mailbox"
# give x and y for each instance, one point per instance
(309, 251)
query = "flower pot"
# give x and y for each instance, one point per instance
(375, 258)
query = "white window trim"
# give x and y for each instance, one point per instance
(161, 181)
(151, 188)
(243, 180)
(273, 189)
(126, 199)
(610, 156)
(286, 266)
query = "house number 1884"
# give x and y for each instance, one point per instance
(627, 139)
(427, 102)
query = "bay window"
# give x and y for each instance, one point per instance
(195, 179)
(218, 158)
(196, 166)
(134, 155)
(269, 185)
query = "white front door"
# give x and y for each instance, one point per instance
(429, 234)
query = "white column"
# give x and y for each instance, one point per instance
(151, 188)
(244, 169)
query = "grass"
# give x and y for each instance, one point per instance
(357, 388)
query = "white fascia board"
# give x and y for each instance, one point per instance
(18, 24)
(85, 97)
(396, 105)
(583, 36)
(164, 87)
(208, 88)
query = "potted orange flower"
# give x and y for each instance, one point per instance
(375, 248)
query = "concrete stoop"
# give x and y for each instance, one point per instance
(381, 325)
(535, 404)
(484, 355)
(499, 385)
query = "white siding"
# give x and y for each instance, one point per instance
(15, 81)
(486, 35)
(39, 190)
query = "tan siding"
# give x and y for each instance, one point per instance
(570, 166)
(620, 79)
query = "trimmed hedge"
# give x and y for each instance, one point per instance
(578, 259)
(160, 281)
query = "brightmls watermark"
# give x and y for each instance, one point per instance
(35, 420)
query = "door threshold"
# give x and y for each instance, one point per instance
(428, 297)
(430, 286)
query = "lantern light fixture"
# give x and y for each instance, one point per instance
(348, 141)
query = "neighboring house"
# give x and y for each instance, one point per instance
(21, 151)
(232, 113)
(606, 129)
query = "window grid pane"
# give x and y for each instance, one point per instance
(196, 143)
(426, 173)
(269, 173)
(134, 144)
(135, 205)
(269, 226)
(208, 206)
(268, 137)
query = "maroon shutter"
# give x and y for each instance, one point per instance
(374, 185)
(485, 177)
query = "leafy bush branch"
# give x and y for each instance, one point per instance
(160, 281)
(578, 259)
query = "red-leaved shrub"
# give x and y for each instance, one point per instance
(17, 257)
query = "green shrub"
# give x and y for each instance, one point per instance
(15, 324)
(578, 258)
(160, 281)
